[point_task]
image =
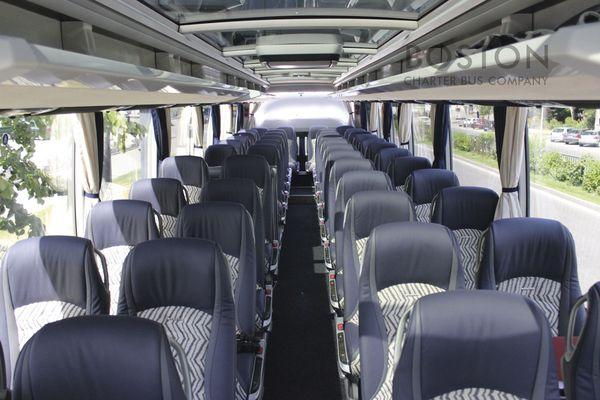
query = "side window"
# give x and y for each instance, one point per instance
(129, 152)
(37, 155)
(423, 134)
(184, 130)
(565, 180)
(474, 146)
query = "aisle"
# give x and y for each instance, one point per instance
(301, 356)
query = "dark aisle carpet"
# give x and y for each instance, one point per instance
(301, 360)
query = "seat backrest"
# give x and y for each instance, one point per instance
(375, 147)
(272, 155)
(459, 345)
(167, 197)
(244, 192)
(114, 227)
(342, 129)
(256, 168)
(468, 212)
(424, 184)
(282, 138)
(330, 161)
(230, 226)
(364, 143)
(353, 131)
(237, 144)
(580, 362)
(45, 279)
(385, 156)
(184, 285)
(403, 262)
(364, 212)
(400, 169)
(215, 155)
(536, 258)
(311, 141)
(98, 358)
(339, 168)
(191, 171)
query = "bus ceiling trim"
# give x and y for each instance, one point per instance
(451, 19)
(287, 23)
(306, 12)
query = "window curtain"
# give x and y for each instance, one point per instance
(161, 126)
(405, 124)
(499, 125)
(387, 120)
(363, 115)
(215, 118)
(239, 117)
(350, 108)
(252, 108)
(199, 139)
(91, 153)
(374, 114)
(356, 115)
(440, 114)
(511, 159)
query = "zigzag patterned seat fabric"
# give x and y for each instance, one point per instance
(535, 258)
(191, 171)
(67, 284)
(404, 261)
(184, 285)
(422, 185)
(477, 394)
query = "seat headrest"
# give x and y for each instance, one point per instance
(343, 165)
(237, 190)
(531, 247)
(376, 207)
(165, 194)
(189, 170)
(314, 130)
(354, 131)
(400, 168)
(359, 181)
(424, 184)
(217, 153)
(385, 156)
(121, 223)
(226, 223)
(252, 166)
(467, 340)
(268, 151)
(289, 131)
(55, 268)
(175, 272)
(115, 357)
(413, 252)
(376, 147)
(261, 131)
(237, 144)
(342, 129)
(465, 207)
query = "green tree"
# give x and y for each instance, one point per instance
(18, 173)
(485, 111)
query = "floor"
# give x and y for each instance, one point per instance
(301, 360)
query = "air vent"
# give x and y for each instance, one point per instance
(312, 50)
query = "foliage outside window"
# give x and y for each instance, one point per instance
(36, 176)
(423, 134)
(125, 155)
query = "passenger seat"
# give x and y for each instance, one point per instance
(46, 279)
(184, 285)
(474, 345)
(534, 257)
(404, 261)
(468, 212)
(191, 171)
(114, 227)
(215, 156)
(100, 358)
(400, 169)
(167, 198)
(424, 184)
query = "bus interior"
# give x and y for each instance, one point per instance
(299, 199)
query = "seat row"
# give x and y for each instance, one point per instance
(172, 281)
(383, 254)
